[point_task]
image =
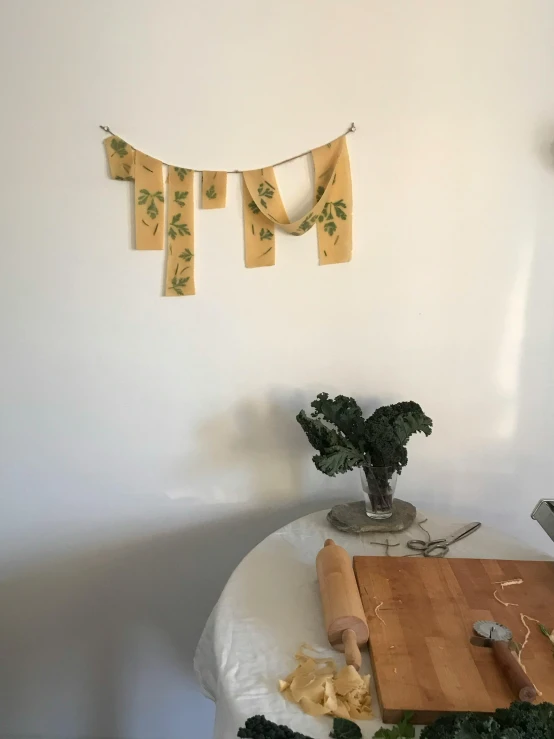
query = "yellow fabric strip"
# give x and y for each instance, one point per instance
(121, 158)
(259, 234)
(259, 228)
(214, 189)
(180, 232)
(333, 209)
(333, 188)
(149, 202)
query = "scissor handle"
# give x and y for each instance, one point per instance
(436, 550)
(418, 545)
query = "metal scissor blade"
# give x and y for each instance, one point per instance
(462, 533)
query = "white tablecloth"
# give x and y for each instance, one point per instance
(271, 605)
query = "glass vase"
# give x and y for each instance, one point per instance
(378, 484)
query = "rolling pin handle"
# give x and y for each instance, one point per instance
(513, 672)
(329, 543)
(351, 649)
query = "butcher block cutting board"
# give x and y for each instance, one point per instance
(422, 657)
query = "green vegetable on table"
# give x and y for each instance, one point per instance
(258, 727)
(345, 439)
(343, 728)
(519, 721)
(549, 635)
(403, 729)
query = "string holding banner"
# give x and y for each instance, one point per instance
(263, 208)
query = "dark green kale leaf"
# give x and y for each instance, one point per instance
(519, 721)
(403, 729)
(343, 728)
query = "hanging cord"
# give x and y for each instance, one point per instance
(350, 129)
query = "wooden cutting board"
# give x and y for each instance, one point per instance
(422, 658)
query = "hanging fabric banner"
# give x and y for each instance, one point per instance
(263, 208)
(180, 232)
(214, 189)
(149, 203)
(332, 210)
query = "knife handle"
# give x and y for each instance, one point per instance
(513, 672)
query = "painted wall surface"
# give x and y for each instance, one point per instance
(147, 444)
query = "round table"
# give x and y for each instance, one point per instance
(271, 605)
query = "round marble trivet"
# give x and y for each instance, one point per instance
(352, 518)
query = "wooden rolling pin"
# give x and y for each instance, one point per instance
(342, 606)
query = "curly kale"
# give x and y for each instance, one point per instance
(519, 721)
(345, 439)
(258, 727)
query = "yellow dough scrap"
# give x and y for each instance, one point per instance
(348, 679)
(319, 690)
(312, 708)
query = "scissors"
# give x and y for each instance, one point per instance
(440, 547)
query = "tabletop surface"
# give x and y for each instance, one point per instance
(270, 606)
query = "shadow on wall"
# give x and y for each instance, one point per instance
(75, 631)
(256, 451)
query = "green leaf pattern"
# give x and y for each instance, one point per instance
(266, 234)
(146, 196)
(181, 173)
(180, 197)
(332, 210)
(119, 147)
(187, 255)
(253, 207)
(176, 228)
(211, 194)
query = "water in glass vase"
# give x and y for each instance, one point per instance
(378, 484)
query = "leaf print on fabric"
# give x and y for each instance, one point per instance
(119, 147)
(307, 223)
(253, 207)
(319, 193)
(266, 234)
(176, 228)
(332, 210)
(152, 208)
(211, 193)
(178, 283)
(339, 212)
(265, 252)
(181, 173)
(187, 255)
(180, 197)
(265, 190)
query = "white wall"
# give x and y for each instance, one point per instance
(147, 444)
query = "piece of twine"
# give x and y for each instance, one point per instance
(350, 129)
(389, 546)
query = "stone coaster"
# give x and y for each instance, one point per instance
(352, 518)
